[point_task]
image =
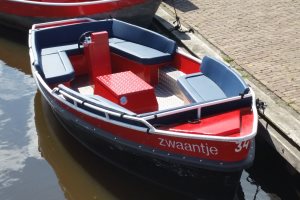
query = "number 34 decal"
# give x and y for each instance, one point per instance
(242, 145)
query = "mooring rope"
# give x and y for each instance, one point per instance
(177, 21)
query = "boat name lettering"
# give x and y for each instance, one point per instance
(197, 148)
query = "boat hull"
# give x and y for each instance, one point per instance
(192, 181)
(139, 142)
(140, 14)
(196, 180)
(158, 140)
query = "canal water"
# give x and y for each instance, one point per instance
(39, 160)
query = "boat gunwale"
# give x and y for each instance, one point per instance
(151, 129)
(218, 165)
(29, 2)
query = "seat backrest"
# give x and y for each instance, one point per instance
(62, 35)
(143, 36)
(227, 79)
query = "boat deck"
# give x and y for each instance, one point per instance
(167, 93)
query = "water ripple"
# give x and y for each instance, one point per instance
(18, 139)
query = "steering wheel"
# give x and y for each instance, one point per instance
(82, 38)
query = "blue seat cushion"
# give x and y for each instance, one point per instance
(137, 52)
(215, 81)
(57, 68)
(199, 88)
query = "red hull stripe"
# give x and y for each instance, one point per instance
(196, 148)
(56, 11)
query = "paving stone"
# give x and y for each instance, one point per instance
(263, 37)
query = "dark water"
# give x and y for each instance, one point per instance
(39, 160)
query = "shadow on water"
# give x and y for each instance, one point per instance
(13, 49)
(271, 173)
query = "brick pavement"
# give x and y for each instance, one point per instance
(262, 37)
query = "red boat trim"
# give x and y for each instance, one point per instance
(56, 10)
(36, 2)
(212, 150)
(233, 163)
